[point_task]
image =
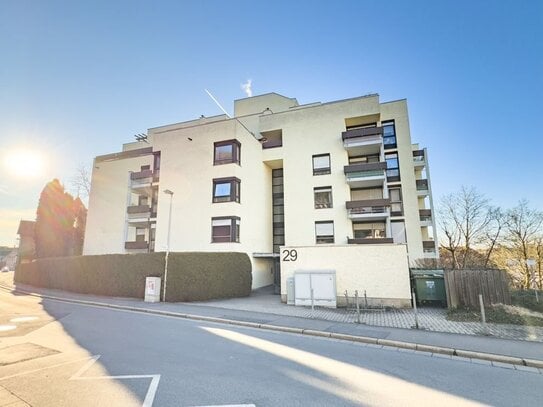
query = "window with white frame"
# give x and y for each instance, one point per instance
(324, 232)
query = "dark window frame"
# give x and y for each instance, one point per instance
(393, 178)
(236, 152)
(324, 170)
(389, 145)
(234, 230)
(323, 189)
(361, 126)
(325, 239)
(235, 190)
(392, 202)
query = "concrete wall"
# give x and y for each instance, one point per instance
(105, 230)
(187, 169)
(381, 270)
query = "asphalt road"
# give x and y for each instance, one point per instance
(74, 355)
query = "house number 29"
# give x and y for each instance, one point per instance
(290, 255)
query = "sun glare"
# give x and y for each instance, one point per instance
(24, 163)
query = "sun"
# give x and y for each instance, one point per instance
(24, 163)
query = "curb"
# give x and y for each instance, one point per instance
(490, 357)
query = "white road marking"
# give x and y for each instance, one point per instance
(42, 368)
(230, 405)
(151, 391)
(23, 319)
(4, 328)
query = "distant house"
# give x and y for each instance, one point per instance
(27, 242)
(11, 260)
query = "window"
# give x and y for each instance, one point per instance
(396, 207)
(323, 197)
(389, 134)
(225, 229)
(364, 159)
(226, 189)
(369, 230)
(364, 194)
(140, 234)
(227, 152)
(361, 126)
(321, 164)
(324, 232)
(398, 231)
(393, 167)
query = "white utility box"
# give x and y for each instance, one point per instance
(152, 289)
(321, 282)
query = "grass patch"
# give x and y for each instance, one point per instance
(527, 299)
(497, 314)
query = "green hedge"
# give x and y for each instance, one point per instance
(192, 276)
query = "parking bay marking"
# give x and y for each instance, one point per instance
(151, 391)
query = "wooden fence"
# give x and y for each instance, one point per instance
(464, 286)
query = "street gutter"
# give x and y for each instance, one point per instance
(385, 343)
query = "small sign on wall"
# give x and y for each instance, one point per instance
(152, 289)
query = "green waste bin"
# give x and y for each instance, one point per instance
(429, 286)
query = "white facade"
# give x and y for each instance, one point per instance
(334, 183)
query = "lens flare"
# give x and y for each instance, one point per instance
(24, 163)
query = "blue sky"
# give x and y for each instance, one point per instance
(77, 79)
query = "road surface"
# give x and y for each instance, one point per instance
(54, 353)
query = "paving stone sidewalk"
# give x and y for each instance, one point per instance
(431, 319)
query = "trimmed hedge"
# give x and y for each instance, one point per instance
(192, 276)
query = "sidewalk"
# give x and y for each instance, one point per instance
(430, 319)
(524, 353)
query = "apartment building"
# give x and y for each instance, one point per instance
(341, 173)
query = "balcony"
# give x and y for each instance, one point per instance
(419, 160)
(136, 245)
(141, 181)
(272, 144)
(371, 209)
(429, 246)
(380, 240)
(363, 141)
(138, 209)
(422, 187)
(425, 216)
(365, 175)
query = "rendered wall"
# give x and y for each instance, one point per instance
(381, 270)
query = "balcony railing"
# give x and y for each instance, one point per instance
(418, 157)
(272, 144)
(136, 176)
(136, 245)
(368, 207)
(422, 185)
(379, 240)
(134, 209)
(429, 246)
(425, 214)
(365, 170)
(363, 132)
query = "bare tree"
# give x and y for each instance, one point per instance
(465, 219)
(539, 259)
(81, 181)
(493, 232)
(523, 226)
